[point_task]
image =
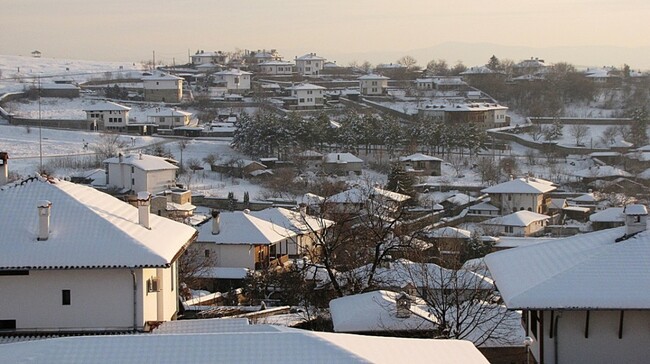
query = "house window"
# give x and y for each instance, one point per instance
(509, 229)
(509, 197)
(302, 100)
(153, 284)
(65, 297)
(132, 169)
(172, 276)
(132, 181)
(207, 253)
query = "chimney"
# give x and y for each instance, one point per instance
(403, 303)
(44, 208)
(120, 158)
(144, 203)
(216, 222)
(636, 217)
(4, 169)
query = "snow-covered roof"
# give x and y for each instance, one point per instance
(276, 63)
(341, 158)
(520, 218)
(516, 241)
(223, 273)
(233, 72)
(361, 195)
(377, 311)
(478, 70)
(106, 106)
(635, 209)
(611, 214)
(88, 228)
(587, 197)
(239, 227)
(169, 112)
(244, 344)
(601, 171)
(306, 86)
(162, 77)
(419, 157)
(604, 154)
(373, 76)
(450, 232)
(484, 206)
(144, 162)
(557, 203)
(460, 199)
(293, 220)
(310, 57)
(522, 185)
(310, 154)
(585, 271)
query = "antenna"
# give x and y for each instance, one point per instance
(40, 127)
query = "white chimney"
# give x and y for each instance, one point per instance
(636, 217)
(216, 222)
(144, 206)
(4, 169)
(44, 207)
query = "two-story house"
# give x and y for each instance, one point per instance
(78, 260)
(234, 80)
(169, 118)
(276, 67)
(421, 164)
(107, 115)
(307, 95)
(140, 172)
(584, 298)
(527, 193)
(163, 88)
(373, 84)
(309, 64)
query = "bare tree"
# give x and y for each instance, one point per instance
(579, 132)
(194, 264)
(108, 145)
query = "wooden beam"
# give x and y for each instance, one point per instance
(620, 325)
(587, 326)
(550, 331)
(541, 337)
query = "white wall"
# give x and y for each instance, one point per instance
(603, 344)
(99, 298)
(519, 200)
(309, 97)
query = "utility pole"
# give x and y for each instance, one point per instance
(40, 128)
(154, 61)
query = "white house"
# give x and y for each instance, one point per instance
(309, 64)
(234, 80)
(276, 67)
(307, 95)
(163, 88)
(108, 115)
(342, 163)
(309, 229)
(169, 118)
(373, 84)
(240, 240)
(75, 259)
(140, 172)
(216, 57)
(584, 298)
(520, 223)
(527, 193)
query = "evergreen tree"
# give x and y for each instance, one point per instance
(399, 181)
(639, 128)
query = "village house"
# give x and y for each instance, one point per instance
(254, 59)
(529, 67)
(216, 58)
(373, 85)
(140, 172)
(234, 80)
(244, 242)
(520, 223)
(169, 118)
(163, 88)
(306, 96)
(175, 204)
(440, 83)
(342, 164)
(483, 208)
(309, 64)
(608, 218)
(363, 199)
(77, 260)
(527, 193)
(582, 297)
(276, 67)
(107, 115)
(309, 229)
(483, 115)
(421, 164)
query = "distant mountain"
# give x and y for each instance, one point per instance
(474, 54)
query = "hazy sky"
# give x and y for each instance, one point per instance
(132, 29)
